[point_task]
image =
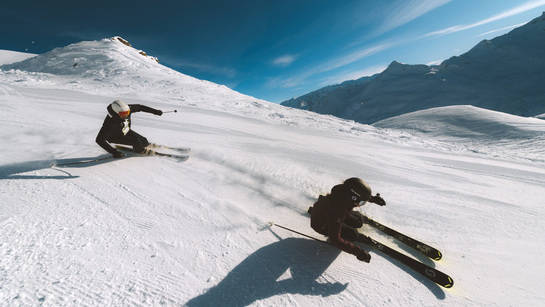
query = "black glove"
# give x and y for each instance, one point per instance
(118, 154)
(364, 256)
(158, 112)
(377, 200)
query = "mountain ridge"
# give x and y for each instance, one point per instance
(501, 74)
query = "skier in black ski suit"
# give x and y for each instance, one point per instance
(117, 128)
(333, 215)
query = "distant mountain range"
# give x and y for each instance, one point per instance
(505, 74)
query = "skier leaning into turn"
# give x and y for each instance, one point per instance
(333, 215)
(117, 128)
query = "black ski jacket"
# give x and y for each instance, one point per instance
(114, 127)
(328, 214)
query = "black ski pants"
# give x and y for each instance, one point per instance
(349, 227)
(137, 141)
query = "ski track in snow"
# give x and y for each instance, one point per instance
(150, 231)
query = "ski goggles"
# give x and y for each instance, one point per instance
(124, 114)
(358, 201)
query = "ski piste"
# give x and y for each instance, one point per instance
(420, 247)
(430, 273)
(149, 152)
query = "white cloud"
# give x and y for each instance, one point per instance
(514, 11)
(281, 82)
(285, 60)
(354, 75)
(301, 78)
(436, 62)
(502, 29)
(227, 72)
(354, 57)
(403, 11)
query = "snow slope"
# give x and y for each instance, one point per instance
(149, 231)
(8, 57)
(474, 129)
(503, 74)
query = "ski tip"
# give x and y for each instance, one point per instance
(271, 224)
(439, 256)
(449, 284)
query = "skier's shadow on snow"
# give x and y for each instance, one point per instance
(19, 170)
(291, 265)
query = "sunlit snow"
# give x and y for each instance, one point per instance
(150, 231)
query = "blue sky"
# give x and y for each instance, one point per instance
(270, 49)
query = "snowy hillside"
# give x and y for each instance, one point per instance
(116, 69)
(8, 57)
(503, 74)
(153, 231)
(474, 129)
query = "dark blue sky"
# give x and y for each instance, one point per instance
(270, 49)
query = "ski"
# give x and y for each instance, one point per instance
(150, 152)
(178, 157)
(81, 162)
(420, 247)
(430, 273)
(180, 149)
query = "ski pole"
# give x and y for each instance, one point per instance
(299, 233)
(173, 111)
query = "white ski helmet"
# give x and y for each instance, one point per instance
(121, 108)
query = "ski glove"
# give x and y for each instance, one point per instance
(364, 256)
(158, 112)
(118, 154)
(377, 200)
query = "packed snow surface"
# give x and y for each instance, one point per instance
(8, 57)
(150, 231)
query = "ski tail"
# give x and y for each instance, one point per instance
(151, 152)
(180, 149)
(178, 157)
(63, 164)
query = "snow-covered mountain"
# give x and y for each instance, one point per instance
(503, 74)
(153, 231)
(117, 68)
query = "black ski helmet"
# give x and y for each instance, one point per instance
(359, 190)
